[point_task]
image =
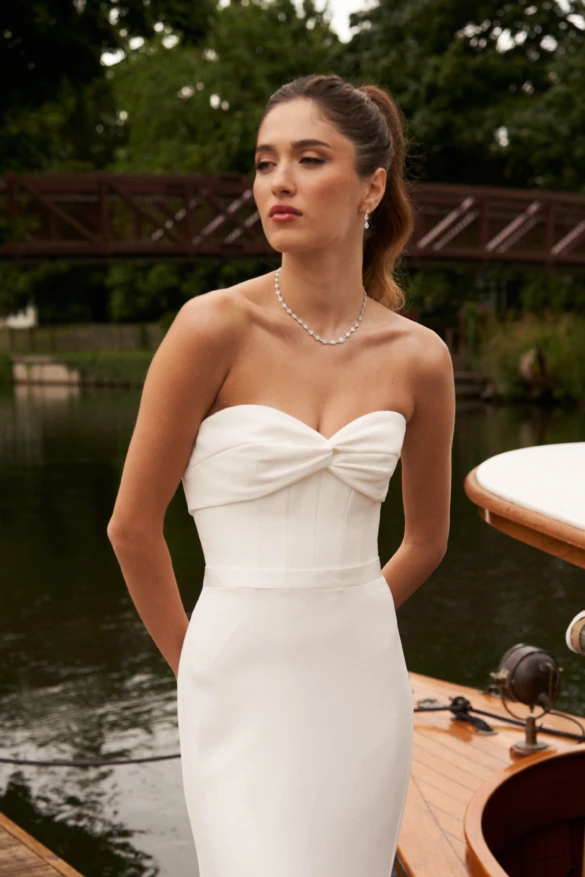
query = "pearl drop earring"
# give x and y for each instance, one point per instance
(366, 223)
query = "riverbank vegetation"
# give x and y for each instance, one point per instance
(533, 357)
(109, 368)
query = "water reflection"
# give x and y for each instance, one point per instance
(81, 678)
(68, 824)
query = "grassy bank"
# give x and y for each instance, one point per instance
(108, 368)
(535, 357)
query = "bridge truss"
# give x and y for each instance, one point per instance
(95, 216)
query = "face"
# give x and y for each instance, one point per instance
(318, 179)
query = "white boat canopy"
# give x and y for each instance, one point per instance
(537, 495)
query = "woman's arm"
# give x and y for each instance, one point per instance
(426, 468)
(184, 377)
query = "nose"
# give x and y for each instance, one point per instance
(282, 179)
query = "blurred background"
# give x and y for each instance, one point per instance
(95, 91)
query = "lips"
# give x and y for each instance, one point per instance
(284, 208)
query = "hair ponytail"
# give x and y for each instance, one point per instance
(392, 222)
(368, 116)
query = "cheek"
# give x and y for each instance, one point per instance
(259, 191)
(331, 196)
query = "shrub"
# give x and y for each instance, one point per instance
(557, 341)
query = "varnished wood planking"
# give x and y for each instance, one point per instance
(451, 761)
(461, 757)
(460, 849)
(446, 784)
(451, 825)
(424, 849)
(441, 769)
(22, 855)
(436, 798)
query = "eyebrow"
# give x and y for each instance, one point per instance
(296, 144)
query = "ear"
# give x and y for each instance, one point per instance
(374, 191)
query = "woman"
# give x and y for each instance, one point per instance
(294, 704)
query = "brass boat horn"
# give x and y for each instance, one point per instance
(532, 676)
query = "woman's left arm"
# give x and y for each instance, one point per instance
(426, 467)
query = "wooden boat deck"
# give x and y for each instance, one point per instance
(22, 855)
(451, 761)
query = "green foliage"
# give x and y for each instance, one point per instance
(62, 292)
(18, 284)
(479, 114)
(75, 130)
(208, 100)
(553, 291)
(437, 296)
(58, 111)
(143, 291)
(547, 134)
(441, 289)
(560, 340)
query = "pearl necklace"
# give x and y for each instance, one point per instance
(313, 334)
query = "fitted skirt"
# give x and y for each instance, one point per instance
(295, 723)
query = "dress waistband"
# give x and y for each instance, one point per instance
(279, 577)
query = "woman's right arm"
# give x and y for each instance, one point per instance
(184, 377)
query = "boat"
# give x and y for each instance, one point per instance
(493, 792)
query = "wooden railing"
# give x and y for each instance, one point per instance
(92, 216)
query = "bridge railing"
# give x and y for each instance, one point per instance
(92, 216)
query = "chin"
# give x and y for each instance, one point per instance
(288, 243)
(292, 248)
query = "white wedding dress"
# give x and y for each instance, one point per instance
(294, 704)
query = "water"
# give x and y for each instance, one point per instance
(81, 679)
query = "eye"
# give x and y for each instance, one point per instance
(260, 165)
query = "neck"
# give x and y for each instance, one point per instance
(327, 297)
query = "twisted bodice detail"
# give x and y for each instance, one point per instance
(287, 495)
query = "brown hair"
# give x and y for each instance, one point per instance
(369, 117)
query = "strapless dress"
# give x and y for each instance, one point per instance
(294, 705)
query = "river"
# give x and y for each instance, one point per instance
(81, 679)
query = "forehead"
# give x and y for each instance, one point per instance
(298, 119)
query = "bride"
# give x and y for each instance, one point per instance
(283, 405)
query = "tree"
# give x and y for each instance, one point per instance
(480, 85)
(57, 111)
(208, 100)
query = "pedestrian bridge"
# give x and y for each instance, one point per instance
(94, 216)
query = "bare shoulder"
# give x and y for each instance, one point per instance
(214, 315)
(428, 352)
(433, 380)
(197, 352)
(429, 366)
